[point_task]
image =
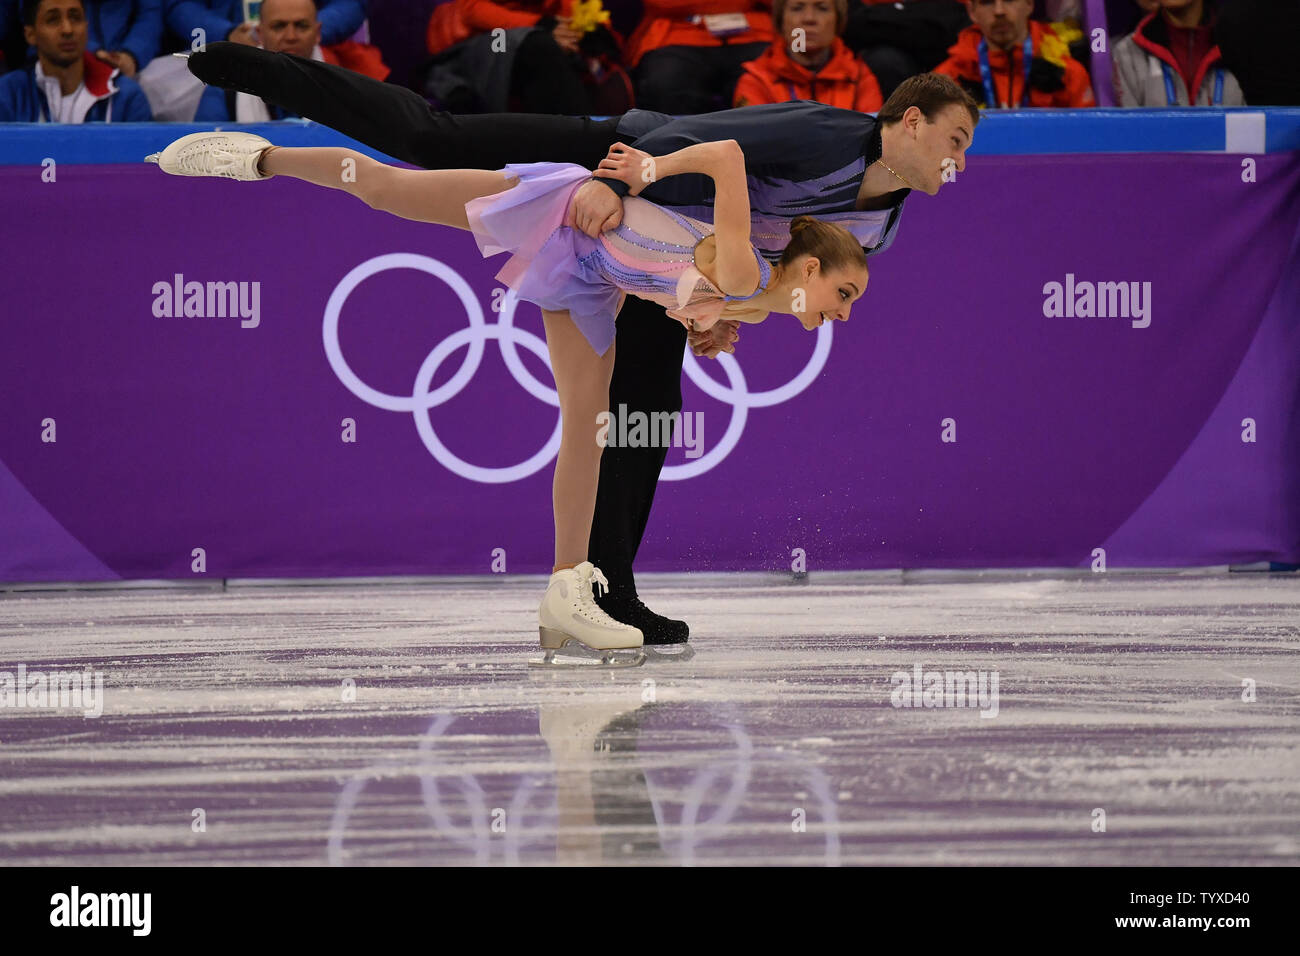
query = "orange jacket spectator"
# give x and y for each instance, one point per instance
(1008, 70)
(668, 23)
(461, 19)
(484, 15)
(844, 81)
(357, 57)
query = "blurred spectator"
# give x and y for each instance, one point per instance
(809, 61)
(1005, 60)
(174, 93)
(1258, 41)
(897, 40)
(687, 55)
(287, 26)
(224, 20)
(1061, 10)
(540, 63)
(66, 84)
(123, 33)
(295, 26)
(13, 48)
(1171, 52)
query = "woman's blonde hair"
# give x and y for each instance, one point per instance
(834, 246)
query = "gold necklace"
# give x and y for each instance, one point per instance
(882, 162)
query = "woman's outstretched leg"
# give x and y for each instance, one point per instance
(425, 195)
(582, 379)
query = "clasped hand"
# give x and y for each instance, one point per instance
(596, 208)
(719, 337)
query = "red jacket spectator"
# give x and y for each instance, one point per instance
(844, 81)
(668, 23)
(357, 57)
(1008, 70)
(461, 19)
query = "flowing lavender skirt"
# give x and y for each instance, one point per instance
(552, 265)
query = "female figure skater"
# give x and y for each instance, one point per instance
(700, 272)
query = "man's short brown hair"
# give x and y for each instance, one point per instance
(931, 93)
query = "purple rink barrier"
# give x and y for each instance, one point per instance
(1072, 433)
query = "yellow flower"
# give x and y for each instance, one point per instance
(1052, 48)
(587, 14)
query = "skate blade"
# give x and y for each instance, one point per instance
(662, 653)
(577, 655)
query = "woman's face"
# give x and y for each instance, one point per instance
(826, 296)
(816, 20)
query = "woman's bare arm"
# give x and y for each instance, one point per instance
(737, 271)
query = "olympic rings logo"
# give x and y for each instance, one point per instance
(474, 338)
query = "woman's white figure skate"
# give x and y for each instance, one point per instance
(227, 154)
(570, 617)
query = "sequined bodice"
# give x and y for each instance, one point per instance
(651, 254)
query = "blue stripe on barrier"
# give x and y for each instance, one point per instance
(25, 144)
(1201, 129)
(1016, 132)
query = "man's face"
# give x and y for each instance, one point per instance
(1004, 23)
(289, 26)
(817, 20)
(936, 146)
(60, 32)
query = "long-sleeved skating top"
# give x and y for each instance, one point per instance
(801, 157)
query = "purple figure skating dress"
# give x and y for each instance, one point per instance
(651, 254)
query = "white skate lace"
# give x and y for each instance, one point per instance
(216, 162)
(588, 606)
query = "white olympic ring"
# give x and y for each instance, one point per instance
(421, 400)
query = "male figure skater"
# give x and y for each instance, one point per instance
(802, 158)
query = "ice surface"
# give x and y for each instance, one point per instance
(777, 742)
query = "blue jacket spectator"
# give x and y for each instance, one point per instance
(282, 30)
(105, 96)
(118, 26)
(339, 19)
